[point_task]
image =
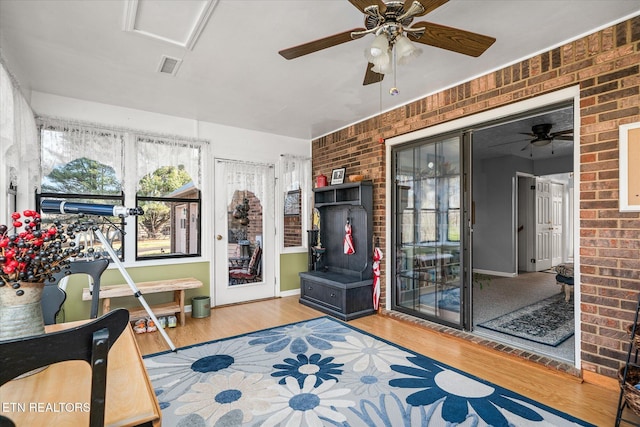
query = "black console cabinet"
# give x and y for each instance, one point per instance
(342, 285)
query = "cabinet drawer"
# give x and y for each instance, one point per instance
(323, 294)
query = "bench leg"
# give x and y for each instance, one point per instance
(179, 299)
(106, 305)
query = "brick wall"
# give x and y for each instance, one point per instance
(605, 66)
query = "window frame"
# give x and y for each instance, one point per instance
(120, 225)
(129, 178)
(197, 200)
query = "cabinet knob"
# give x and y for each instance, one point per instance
(309, 287)
(333, 295)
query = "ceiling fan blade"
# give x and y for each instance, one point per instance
(371, 76)
(563, 138)
(363, 4)
(429, 5)
(562, 132)
(526, 146)
(316, 45)
(504, 143)
(453, 39)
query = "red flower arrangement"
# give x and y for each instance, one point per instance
(35, 255)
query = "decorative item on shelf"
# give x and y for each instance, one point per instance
(356, 178)
(321, 181)
(28, 259)
(337, 176)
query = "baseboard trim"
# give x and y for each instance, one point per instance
(290, 293)
(600, 380)
(494, 273)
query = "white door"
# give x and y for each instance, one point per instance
(543, 240)
(557, 222)
(244, 223)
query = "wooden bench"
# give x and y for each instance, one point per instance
(178, 286)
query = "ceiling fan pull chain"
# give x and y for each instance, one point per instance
(394, 90)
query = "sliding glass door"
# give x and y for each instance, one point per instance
(427, 229)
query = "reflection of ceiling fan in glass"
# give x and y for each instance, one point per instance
(542, 135)
(391, 24)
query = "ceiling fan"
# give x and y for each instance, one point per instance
(542, 135)
(392, 24)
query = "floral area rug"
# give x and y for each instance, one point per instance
(323, 372)
(549, 321)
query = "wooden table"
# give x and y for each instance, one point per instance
(60, 395)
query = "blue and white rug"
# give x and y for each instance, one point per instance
(323, 372)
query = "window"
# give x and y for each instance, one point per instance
(168, 192)
(296, 173)
(85, 164)
(73, 172)
(170, 225)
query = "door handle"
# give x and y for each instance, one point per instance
(218, 237)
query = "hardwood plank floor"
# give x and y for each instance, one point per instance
(590, 402)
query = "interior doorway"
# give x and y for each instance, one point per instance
(523, 229)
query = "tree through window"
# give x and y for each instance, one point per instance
(170, 225)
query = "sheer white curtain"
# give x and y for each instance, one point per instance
(6, 117)
(18, 141)
(8, 153)
(68, 140)
(26, 136)
(243, 176)
(296, 172)
(155, 152)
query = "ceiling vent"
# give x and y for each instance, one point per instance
(169, 65)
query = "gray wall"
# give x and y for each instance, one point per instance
(493, 189)
(494, 229)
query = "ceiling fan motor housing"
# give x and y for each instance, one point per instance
(542, 131)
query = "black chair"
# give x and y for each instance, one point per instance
(90, 342)
(53, 297)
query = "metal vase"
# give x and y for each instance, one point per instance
(21, 315)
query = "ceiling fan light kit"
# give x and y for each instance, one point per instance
(391, 23)
(380, 46)
(406, 50)
(541, 142)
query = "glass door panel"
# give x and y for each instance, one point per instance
(427, 229)
(244, 194)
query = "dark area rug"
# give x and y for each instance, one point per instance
(550, 321)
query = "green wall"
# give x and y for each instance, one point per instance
(290, 266)
(76, 309)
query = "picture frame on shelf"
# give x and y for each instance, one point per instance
(628, 174)
(337, 176)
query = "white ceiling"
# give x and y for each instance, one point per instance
(231, 72)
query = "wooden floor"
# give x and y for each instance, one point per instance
(592, 403)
